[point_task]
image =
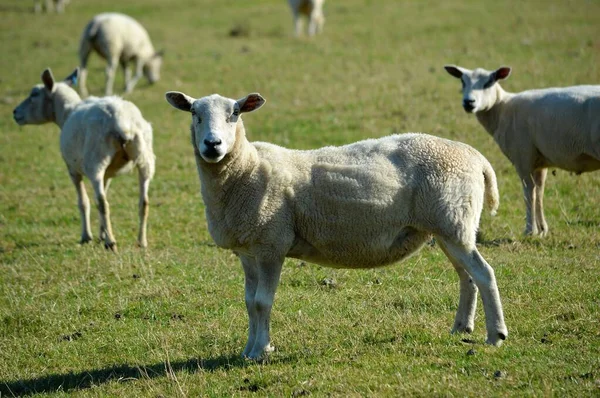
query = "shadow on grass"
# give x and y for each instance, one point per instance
(78, 381)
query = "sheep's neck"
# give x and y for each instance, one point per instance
(218, 180)
(490, 118)
(64, 101)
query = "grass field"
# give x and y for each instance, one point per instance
(171, 321)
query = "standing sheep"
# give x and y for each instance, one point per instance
(535, 129)
(50, 5)
(362, 205)
(119, 39)
(100, 138)
(311, 9)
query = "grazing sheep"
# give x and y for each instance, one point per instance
(50, 5)
(100, 138)
(535, 129)
(362, 205)
(313, 10)
(119, 39)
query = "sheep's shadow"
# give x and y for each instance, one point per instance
(85, 379)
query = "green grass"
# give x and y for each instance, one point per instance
(171, 321)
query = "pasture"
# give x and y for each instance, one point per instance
(171, 320)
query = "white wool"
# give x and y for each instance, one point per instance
(536, 129)
(118, 38)
(363, 205)
(100, 138)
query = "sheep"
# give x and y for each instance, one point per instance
(119, 39)
(535, 129)
(51, 5)
(100, 138)
(313, 10)
(362, 205)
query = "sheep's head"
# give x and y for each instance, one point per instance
(152, 68)
(478, 86)
(38, 107)
(214, 120)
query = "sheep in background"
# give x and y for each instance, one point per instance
(100, 138)
(119, 39)
(535, 129)
(50, 5)
(362, 205)
(311, 9)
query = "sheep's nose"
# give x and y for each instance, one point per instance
(468, 102)
(212, 143)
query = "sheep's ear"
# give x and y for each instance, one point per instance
(502, 73)
(71, 80)
(48, 79)
(180, 100)
(251, 102)
(454, 70)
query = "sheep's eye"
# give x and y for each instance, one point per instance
(489, 83)
(235, 112)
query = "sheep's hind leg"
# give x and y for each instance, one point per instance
(464, 322)
(144, 205)
(539, 179)
(104, 211)
(529, 194)
(111, 69)
(268, 273)
(83, 203)
(483, 275)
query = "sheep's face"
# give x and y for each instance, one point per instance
(152, 68)
(38, 107)
(214, 121)
(479, 87)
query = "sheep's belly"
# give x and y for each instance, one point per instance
(366, 254)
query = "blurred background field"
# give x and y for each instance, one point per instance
(171, 321)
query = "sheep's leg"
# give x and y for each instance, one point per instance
(529, 192)
(60, 6)
(102, 233)
(315, 25)
(297, 25)
(126, 74)
(111, 69)
(268, 273)
(251, 283)
(49, 6)
(104, 211)
(144, 206)
(464, 322)
(83, 203)
(539, 179)
(139, 72)
(483, 275)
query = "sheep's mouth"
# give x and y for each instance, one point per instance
(468, 108)
(212, 155)
(19, 119)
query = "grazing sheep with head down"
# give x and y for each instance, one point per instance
(100, 138)
(119, 39)
(535, 129)
(51, 5)
(362, 205)
(311, 9)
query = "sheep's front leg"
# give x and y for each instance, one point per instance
(539, 179)
(251, 284)
(297, 25)
(126, 74)
(464, 322)
(83, 203)
(483, 275)
(144, 206)
(139, 71)
(104, 211)
(267, 273)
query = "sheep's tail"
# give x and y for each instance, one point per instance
(491, 195)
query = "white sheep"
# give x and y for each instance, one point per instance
(311, 9)
(535, 129)
(119, 39)
(362, 205)
(100, 138)
(50, 5)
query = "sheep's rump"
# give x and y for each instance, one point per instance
(377, 201)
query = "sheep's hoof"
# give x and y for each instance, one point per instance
(111, 245)
(85, 239)
(497, 340)
(462, 329)
(142, 245)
